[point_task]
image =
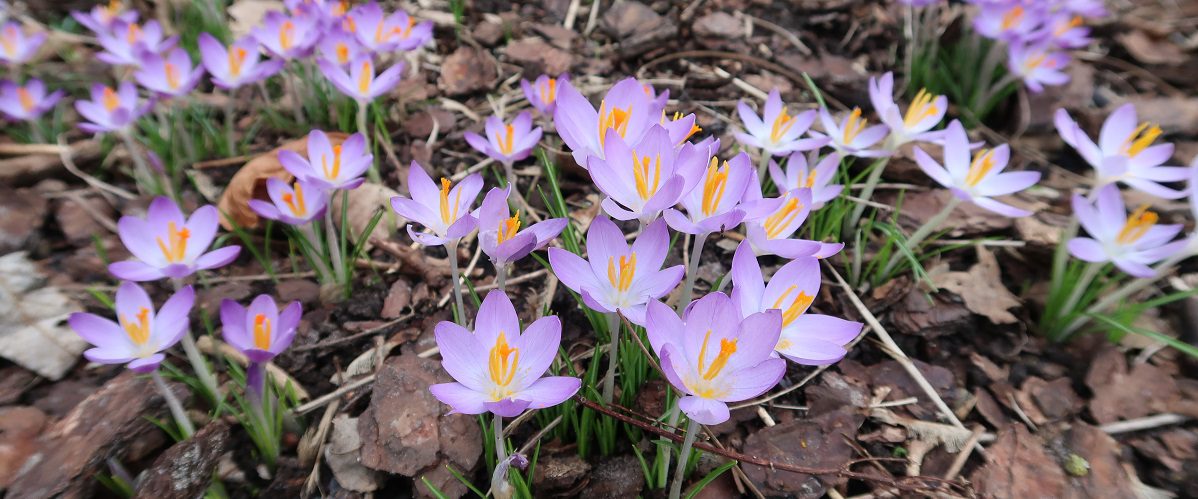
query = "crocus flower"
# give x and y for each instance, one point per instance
(360, 83)
(140, 333)
(506, 143)
(1038, 64)
(500, 234)
(445, 210)
(288, 37)
(1125, 152)
(853, 136)
(1087, 8)
(808, 339)
(110, 110)
(259, 331)
(714, 205)
(16, 47)
(1131, 241)
(172, 75)
(168, 244)
(1067, 30)
(643, 178)
(782, 134)
(714, 356)
(26, 102)
(617, 277)
(819, 178)
(924, 113)
(769, 234)
(238, 65)
(497, 368)
(629, 108)
(339, 47)
(102, 17)
(542, 93)
(295, 204)
(979, 179)
(379, 32)
(1008, 21)
(327, 166)
(128, 43)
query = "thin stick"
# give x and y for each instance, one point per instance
(173, 403)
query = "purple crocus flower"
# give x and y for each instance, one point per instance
(1066, 30)
(980, 179)
(617, 277)
(111, 110)
(330, 167)
(1008, 21)
(769, 233)
(102, 17)
(542, 93)
(360, 83)
(819, 178)
(444, 210)
(853, 136)
(924, 113)
(714, 356)
(643, 178)
(783, 133)
(16, 47)
(1131, 241)
(339, 47)
(1125, 152)
(1038, 64)
(168, 244)
(506, 143)
(26, 102)
(237, 65)
(628, 108)
(172, 75)
(714, 204)
(497, 368)
(379, 32)
(140, 333)
(288, 37)
(260, 331)
(808, 339)
(295, 204)
(500, 234)
(128, 43)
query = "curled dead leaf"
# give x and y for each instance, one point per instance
(981, 289)
(250, 182)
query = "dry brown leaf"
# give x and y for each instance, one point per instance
(250, 182)
(1151, 50)
(981, 288)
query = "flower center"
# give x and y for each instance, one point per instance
(921, 108)
(172, 75)
(981, 165)
(614, 118)
(286, 33)
(1140, 138)
(364, 78)
(621, 279)
(1035, 61)
(506, 141)
(25, 98)
(641, 173)
(797, 306)
(1137, 224)
(853, 126)
(340, 8)
(9, 41)
(1066, 26)
(296, 201)
(379, 37)
(324, 164)
(782, 124)
(111, 99)
(342, 53)
(139, 331)
(810, 182)
(508, 228)
(236, 59)
(403, 33)
(261, 332)
(1012, 17)
(727, 348)
(549, 91)
(446, 215)
(713, 187)
(502, 365)
(176, 245)
(782, 218)
(133, 34)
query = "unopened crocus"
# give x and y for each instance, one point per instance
(360, 83)
(339, 47)
(17, 47)
(1125, 152)
(444, 209)
(295, 204)
(714, 356)
(643, 178)
(808, 339)
(102, 17)
(500, 233)
(26, 102)
(769, 234)
(288, 37)
(1132, 241)
(498, 368)
(167, 244)
(128, 43)
(916, 124)
(542, 93)
(327, 166)
(980, 178)
(506, 143)
(239, 64)
(617, 277)
(111, 110)
(260, 332)
(629, 109)
(380, 32)
(776, 131)
(853, 136)
(141, 333)
(171, 75)
(1008, 20)
(1038, 65)
(801, 174)
(714, 204)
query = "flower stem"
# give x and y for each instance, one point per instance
(664, 450)
(292, 90)
(501, 277)
(373, 171)
(989, 64)
(173, 403)
(1079, 288)
(867, 193)
(922, 233)
(308, 232)
(613, 350)
(340, 276)
(762, 163)
(452, 248)
(1121, 294)
(179, 116)
(146, 178)
(500, 446)
(692, 269)
(230, 108)
(692, 429)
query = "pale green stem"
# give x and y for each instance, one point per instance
(993, 57)
(189, 143)
(452, 248)
(230, 135)
(340, 274)
(692, 429)
(1080, 287)
(501, 277)
(763, 163)
(196, 358)
(500, 446)
(1121, 294)
(663, 451)
(139, 163)
(613, 350)
(373, 171)
(292, 89)
(308, 232)
(867, 193)
(176, 408)
(922, 233)
(692, 269)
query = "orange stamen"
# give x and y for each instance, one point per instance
(621, 279)
(1137, 224)
(261, 332)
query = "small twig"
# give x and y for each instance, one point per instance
(337, 341)
(64, 154)
(963, 456)
(1144, 423)
(333, 395)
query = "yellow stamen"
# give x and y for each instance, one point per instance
(797, 306)
(713, 187)
(506, 141)
(612, 118)
(621, 279)
(9, 41)
(25, 98)
(365, 77)
(237, 57)
(261, 332)
(1064, 28)
(921, 108)
(447, 216)
(404, 32)
(694, 127)
(379, 37)
(1140, 138)
(296, 201)
(324, 164)
(981, 165)
(172, 75)
(502, 366)
(549, 91)
(340, 8)
(349, 24)
(782, 124)
(139, 332)
(176, 247)
(783, 217)
(133, 34)
(286, 32)
(1137, 224)
(810, 182)
(727, 348)
(111, 99)
(1035, 61)
(1012, 17)
(853, 126)
(641, 173)
(508, 228)
(342, 53)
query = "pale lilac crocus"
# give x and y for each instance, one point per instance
(498, 368)
(643, 178)
(714, 204)
(239, 64)
(977, 179)
(1132, 241)
(295, 204)
(799, 174)
(784, 131)
(379, 32)
(1008, 21)
(171, 75)
(923, 114)
(542, 93)
(327, 166)
(769, 234)
(360, 83)
(167, 244)
(506, 143)
(140, 334)
(629, 109)
(1066, 30)
(17, 47)
(1125, 152)
(500, 233)
(288, 37)
(102, 17)
(714, 356)
(444, 209)
(111, 110)
(1038, 65)
(618, 277)
(128, 43)
(808, 339)
(26, 102)
(260, 332)
(339, 47)
(853, 135)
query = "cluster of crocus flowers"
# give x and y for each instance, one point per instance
(1126, 152)
(1131, 241)
(236, 65)
(168, 244)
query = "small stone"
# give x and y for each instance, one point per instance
(421, 124)
(76, 222)
(719, 24)
(467, 70)
(21, 214)
(627, 19)
(539, 57)
(616, 477)
(488, 33)
(301, 290)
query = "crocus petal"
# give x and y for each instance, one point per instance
(457, 396)
(133, 270)
(662, 325)
(218, 258)
(704, 411)
(460, 354)
(572, 270)
(495, 315)
(539, 345)
(147, 364)
(550, 391)
(99, 331)
(1084, 248)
